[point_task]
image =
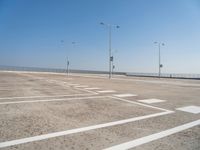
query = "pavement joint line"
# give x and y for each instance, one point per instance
(153, 137)
(77, 130)
(50, 100)
(141, 104)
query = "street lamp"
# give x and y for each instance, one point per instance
(62, 42)
(159, 57)
(73, 43)
(109, 26)
(113, 66)
(67, 66)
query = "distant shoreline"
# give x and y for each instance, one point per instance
(58, 70)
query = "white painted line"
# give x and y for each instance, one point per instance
(151, 101)
(69, 78)
(81, 86)
(190, 109)
(94, 88)
(106, 91)
(29, 97)
(136, 103)
(49, 100)
(73, 84)
(125, 95)
(153, 137)
(6, 89)
(77, 130)
(86, 90)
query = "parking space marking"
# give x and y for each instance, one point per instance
(153, 137)
(73, 84)
(87, 91)
(190, 109)
(55, 96)
(93, 88)
(106, 91)
(61, 83)
(77, 130)
(125, 95)
(81, 86)
(151, 101)
(141, 104)
(50, 100)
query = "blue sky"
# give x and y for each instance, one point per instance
(31, 32)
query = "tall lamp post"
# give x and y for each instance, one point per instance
(67, 66)
(109, 26)
(73, 43)
(159, 57)
(113, 66)
(62, 42)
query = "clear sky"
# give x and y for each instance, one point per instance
(31, 32)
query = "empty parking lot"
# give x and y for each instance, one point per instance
(82, 111)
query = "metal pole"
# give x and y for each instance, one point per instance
(112, 66)
(110, 43)
(67, 67)
(110, 51)
(159, 60)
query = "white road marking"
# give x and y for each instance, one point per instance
(49, 100)
(70, 84)
(190, 109)
(73, 84)
(151, 101)
(125, 95)
(29, 97)
(81, 86)
(86, 90)
(6, 89)
(106, 91)
(77, 130)
(153, 137)
(69, 78)
(94, 88)
(137, 103)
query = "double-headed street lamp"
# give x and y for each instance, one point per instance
(110, 36)
(113, 66)
(67, 66)
(62, 42)
(159, 57)
(73, 43)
